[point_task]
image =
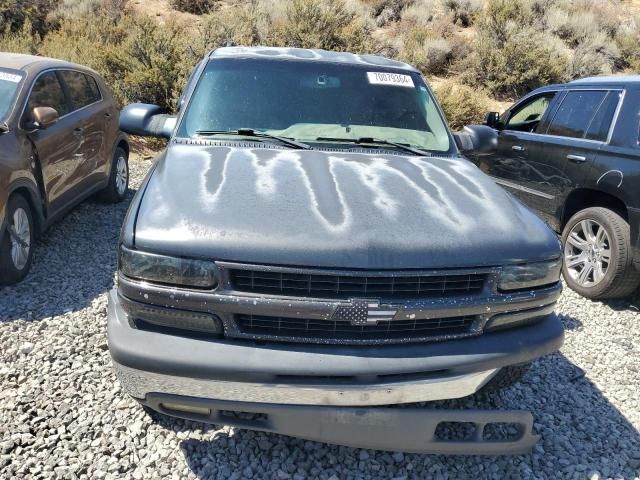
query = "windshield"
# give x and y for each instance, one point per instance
(9, 82)
(309, 101)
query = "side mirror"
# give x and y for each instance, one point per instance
(146, 120)
(491, 119)
(43, 117)
(477, 140)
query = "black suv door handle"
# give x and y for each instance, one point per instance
(518, 148)
(576, 158)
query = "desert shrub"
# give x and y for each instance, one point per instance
(420, 13)
(387, 11)
(112, 9)
(152, 58)
(461, 103)
(240, 25)
(15, 13)
(574, 28)
(140, 59)
(463, 12)
(197, 7)
(512, 54)
(628, 42)
(606, 15)
(326, 24)
(596, 55)
(21, 41)
(431, 54)
(521, 60)
(503, 16)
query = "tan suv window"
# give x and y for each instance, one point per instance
(47, 92)
(79, 89)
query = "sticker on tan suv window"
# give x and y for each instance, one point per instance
(10, 77)
(395, 79)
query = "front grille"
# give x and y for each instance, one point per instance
(335, 331)
(348, 286)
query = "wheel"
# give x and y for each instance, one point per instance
(116, 190)
(16, 245)
(597, 255)
(506, 377)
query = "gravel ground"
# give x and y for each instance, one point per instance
(62, 413)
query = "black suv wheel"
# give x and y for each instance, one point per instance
(16, 245)
(597, 254)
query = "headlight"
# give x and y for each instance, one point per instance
(169, 270)
(530, 275)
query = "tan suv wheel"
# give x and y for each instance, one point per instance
(116, 189)
(16, 245)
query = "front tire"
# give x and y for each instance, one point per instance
(16, 245)
(597, 255)
(116, 189)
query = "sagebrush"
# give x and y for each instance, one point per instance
(502, 47)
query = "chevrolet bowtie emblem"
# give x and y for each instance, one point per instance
(363, 312)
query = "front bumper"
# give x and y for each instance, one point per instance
(337, 375)
(334, 393)
(414, 430)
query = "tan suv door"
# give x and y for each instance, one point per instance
(89, 111)
(57, 147)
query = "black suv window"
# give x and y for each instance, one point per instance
(79, 88)
(601, 122)
(47, 92)
(527, 117)
(576, 113)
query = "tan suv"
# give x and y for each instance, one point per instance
(59, 143)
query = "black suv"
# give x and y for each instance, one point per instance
(572, 153)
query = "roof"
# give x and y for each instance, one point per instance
(18, 61)
(619, 79)
(315, 55)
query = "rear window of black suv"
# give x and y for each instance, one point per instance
(585, 114)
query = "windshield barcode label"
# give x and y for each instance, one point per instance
(395, 79)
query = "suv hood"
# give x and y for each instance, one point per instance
(334, 209)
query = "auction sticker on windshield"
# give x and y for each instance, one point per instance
(395, 79)
(10, 77)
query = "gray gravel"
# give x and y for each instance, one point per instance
(63, 415)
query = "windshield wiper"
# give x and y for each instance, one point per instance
(250, 132)
(375, 141)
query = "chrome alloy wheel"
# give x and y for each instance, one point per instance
(20, 236)
(121, 175)
(587, 253)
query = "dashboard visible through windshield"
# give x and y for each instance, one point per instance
(314, 101)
